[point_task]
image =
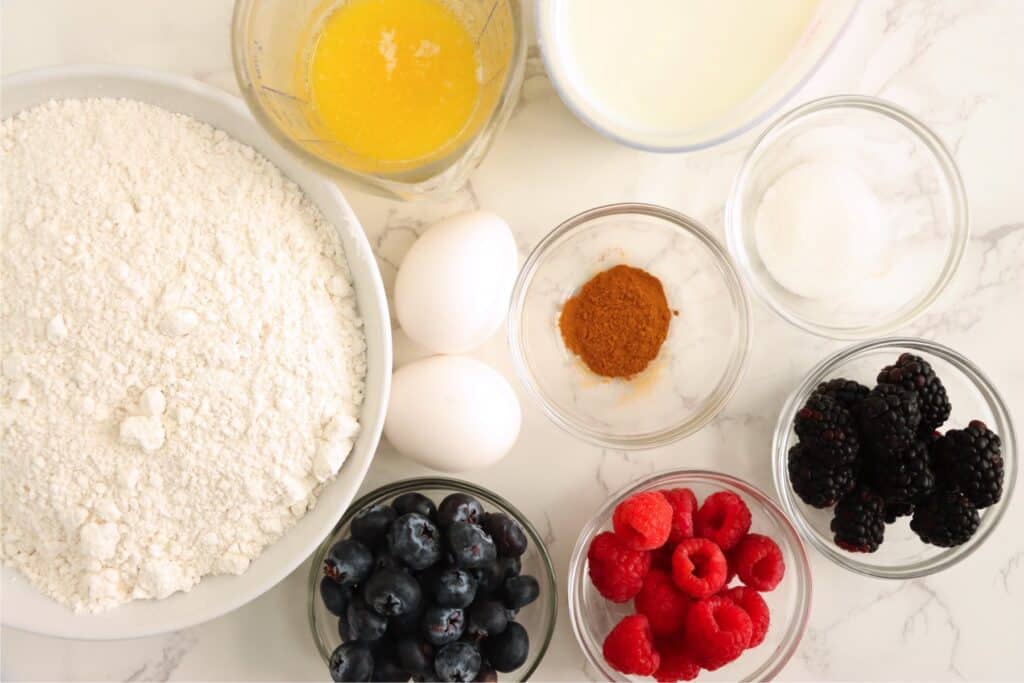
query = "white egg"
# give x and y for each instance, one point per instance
(453, 287)
(452, 413)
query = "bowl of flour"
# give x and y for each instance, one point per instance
(195, 354)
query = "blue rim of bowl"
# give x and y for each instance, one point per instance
(415, 484)
(796, 629)
(734, 219)
(563, 94)
(817, 374)
(728, 383)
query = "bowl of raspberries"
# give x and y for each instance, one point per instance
(432, 579)
(689, 574)
(895, 457)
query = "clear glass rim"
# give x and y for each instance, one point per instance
(565, 94)
(735, 217)
(378, 184)
(817, 374)
(710, 406)
(455, 485)
(795, 629)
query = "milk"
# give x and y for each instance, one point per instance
(658, 67)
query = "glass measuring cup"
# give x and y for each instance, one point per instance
(273, 41)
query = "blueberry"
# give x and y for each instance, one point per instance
(351, 662)
(457, 662)
(415, 656)
(470, 545)
(392, 592)
(521, 591)
(414, 502)
(335, 596)
(458, 507)
(486, 618)
(508, 536)
(507, 651)
(492, 577)
(402, 624)
(383, 559)
(371, 524)
(510, 566)
(487, 674)
(387, 669)
(365, 624)
(344, 630)
(348, 562)
(454, 588)
(415, 540)
(442, 625)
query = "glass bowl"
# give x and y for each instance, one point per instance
(824, 31)
(538, 618)
(701, 361)
(922, 222)
(593, 616)
(902, 555)
(271, 41)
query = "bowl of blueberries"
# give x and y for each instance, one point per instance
(432, 579)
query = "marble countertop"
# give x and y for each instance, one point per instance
(958, 64)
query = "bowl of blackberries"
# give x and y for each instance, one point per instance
(432, 580)
(896, 458)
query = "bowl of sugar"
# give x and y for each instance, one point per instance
(848, 217)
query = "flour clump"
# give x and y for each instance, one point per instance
(182, 358)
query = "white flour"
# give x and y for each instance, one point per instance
(182, 360)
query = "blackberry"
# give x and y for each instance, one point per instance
(904, 474)
(819, 485)
(896, 509)
(848, 392)
(913, 373)
(946, 519)
(859, 522)
(889, 416)
(827, 428)
(971, 460)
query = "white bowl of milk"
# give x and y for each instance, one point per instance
(680, 75)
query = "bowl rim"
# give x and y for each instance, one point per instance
(736, 218)
(572, 99)
(949, 556)
(729, 381)
(416, 484)
(97, 80)
(680, 477)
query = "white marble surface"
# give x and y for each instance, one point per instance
(959, 64)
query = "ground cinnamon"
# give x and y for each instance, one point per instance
(617, 322)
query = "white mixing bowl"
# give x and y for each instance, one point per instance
(23, 606)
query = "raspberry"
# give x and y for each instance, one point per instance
(698, 567)
(723, 518)
(662, 558)
(643, 521)
(662, 603)
(751, 602)
(718, 631)
(684, 504)
(759, 562)
(616, 571)
(629, 647)
(677, 662)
